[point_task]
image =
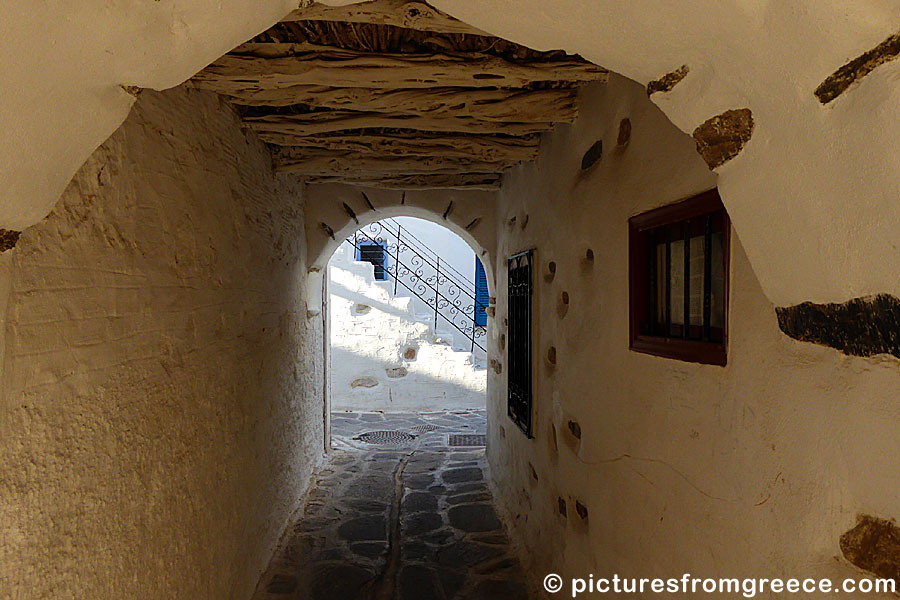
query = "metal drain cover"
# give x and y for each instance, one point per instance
(424, 428)
(385, 438)
(467, 439)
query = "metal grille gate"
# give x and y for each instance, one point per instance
(520, 287)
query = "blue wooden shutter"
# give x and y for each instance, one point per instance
(481, 294)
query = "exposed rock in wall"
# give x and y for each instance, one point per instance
(862, 326)
(874, 546)
(839, 81)
(8, 239)
(365, 382)
(722, 137)
(667, 81)
(593, 154)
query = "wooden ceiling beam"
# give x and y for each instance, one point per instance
(354, 164)
(399, 13)
(460, 181)
(479, 147)
(485, 104)
(316, 123)
(337, 67)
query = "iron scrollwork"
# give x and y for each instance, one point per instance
(414, 266)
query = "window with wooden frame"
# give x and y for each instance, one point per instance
(679, 280)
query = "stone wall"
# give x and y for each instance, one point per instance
(161, 382)
(752, 469)
(384, 357)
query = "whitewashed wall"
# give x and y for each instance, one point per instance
(385, 358)
(754, 469)
(161, 384)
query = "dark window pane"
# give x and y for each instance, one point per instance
(679, 279)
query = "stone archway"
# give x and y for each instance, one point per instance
(335, 211)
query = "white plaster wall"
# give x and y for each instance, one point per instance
(754, 469)
(788, 192)
(371, 331)
(161, 396)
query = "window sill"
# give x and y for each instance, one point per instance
(685, 350)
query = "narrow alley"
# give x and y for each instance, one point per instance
(449, 299)
(401, 510)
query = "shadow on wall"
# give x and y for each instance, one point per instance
(342, 291)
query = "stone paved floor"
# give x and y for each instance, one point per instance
(407, 520)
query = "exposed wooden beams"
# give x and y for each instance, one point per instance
(336, 67)
(471, 181)
(323, 162)
(395, 93)
(398, 13)
(486, 104)
(486, 148)
(330, 121)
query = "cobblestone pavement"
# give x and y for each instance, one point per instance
(409, 518)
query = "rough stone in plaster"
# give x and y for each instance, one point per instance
(839, 81)
(874, 545)
(350, 212)
(562, 304)
(397, 372)
(722, 137)
(8, 239)
(551, 355)
(594, 154)
(624, 133)
(361, 309)
(368, 202)
(582, 510)
(132, 90)
(667, 81)
(861, 327)
(366, 382)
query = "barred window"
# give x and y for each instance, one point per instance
(679, 280)
(519, 348)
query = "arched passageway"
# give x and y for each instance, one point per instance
(402, 507)
(164, 332)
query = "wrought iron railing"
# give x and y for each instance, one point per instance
(418, 269)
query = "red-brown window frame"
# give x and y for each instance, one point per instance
(712, 353)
